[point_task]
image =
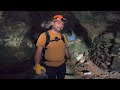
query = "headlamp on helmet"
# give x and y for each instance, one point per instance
(59, 17)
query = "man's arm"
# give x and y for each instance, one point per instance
(37, 56)
(67, 59)
(67, 53)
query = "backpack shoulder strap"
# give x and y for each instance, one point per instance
(47, 38)
(44, 49)
(62, 37)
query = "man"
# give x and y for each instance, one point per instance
(55, 63)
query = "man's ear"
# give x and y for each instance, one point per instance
(52, 23)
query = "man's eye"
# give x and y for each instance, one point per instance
(58, 22)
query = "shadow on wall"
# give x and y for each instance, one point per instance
(37, 18)
(75, 26)
(16, 16)
(114, 27)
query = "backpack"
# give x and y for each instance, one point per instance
(46, 44)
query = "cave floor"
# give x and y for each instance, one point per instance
(93, 72)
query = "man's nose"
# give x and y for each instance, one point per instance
(61, 24)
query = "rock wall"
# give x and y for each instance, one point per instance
(106, 51)
(93, 31)
(15, 44)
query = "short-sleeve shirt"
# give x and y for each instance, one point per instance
(55, 52)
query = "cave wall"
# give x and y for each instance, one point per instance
(16, 28)
(15, 44)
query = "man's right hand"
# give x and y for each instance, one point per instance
(38, 68)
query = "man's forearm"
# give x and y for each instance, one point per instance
(67, 53)
(37, 56)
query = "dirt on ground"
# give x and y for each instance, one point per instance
(88, 70)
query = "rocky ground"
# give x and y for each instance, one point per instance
(88, 70)
(84, 70)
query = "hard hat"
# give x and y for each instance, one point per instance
(59, 17)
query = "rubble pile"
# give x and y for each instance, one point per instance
(88, 70)
(106, 51)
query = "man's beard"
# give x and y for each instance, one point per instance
(58, 29)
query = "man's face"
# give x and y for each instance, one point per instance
(58, 25)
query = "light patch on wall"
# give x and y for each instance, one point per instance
(30, 44)
(15, 34)
(14, 41)
(46, 24)
(71, 37)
